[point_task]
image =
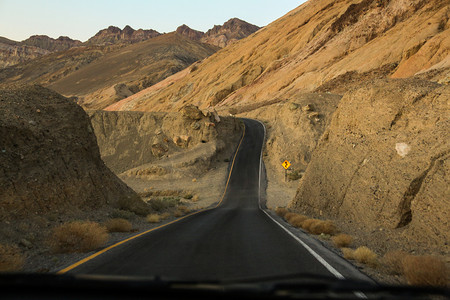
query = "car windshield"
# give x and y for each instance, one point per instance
(298, 147)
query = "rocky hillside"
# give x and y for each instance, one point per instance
(130, 69)
(113, 35)
(320, 42)
(52, 45)
(231, 31)
(53, 66)
(51, 165)
(13, 53)
(221, 35)
(382, 166)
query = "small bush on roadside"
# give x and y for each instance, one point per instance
(78, 236)
(184, 209)
(165, 216)
(289, 215)
(118, 225)
(153, 218)
(365, 256)
(307, 224)
(342, 240)
(297, 220)
(393, 261)
(11, 259)
(122, 214)
(294, 175)
(164, 203)
(425, 271)
(325, 227)
(281, 211)
(348, 253)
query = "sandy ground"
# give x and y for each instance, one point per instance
(209, 187)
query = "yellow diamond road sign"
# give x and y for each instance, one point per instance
(286, 164)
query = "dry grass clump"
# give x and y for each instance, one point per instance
(165, 216)
(78, 236)
(342, 240)
(153, 218)
(425, 271)
(325, 227)
(297, 220)
(184, 209)
(316, 226)
(393, 261)
(365, 256)
(348, 253)
(307, 223)
(11, 259)
(195, 198)
(181, 211)
(287, 216)
(118, 225)
(281, 211)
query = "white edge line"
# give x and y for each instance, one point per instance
(330, 268)
(313, 253)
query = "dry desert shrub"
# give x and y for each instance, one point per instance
(308, 223)
(281, 211)
(289, 215)
(393, 261)
(325, 227)
(11, 259)
(153, 218)
(118, 225)
(342, 240)
(183, 209)
(78, 236)
(297, 220)
(195, 198)
(165, 216)
(425, 271)
(365, 256)
(348, 253)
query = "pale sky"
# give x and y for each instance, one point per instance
(81, 19)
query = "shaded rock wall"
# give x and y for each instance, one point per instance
(50, 162)
(383, 162)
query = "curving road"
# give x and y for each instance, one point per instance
(235, 240)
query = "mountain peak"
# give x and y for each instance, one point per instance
(189, 32)
(113, 35)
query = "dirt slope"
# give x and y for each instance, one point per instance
(154, 150)
(49, 68)
(382, 166)
(138, 66)
(313, 44)
(51, 166)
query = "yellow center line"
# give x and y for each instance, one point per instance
(73, 266)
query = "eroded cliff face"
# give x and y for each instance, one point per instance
(319, 42)
(382, 164)
(164, 145)
(50, 159)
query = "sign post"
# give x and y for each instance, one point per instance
(286, 164)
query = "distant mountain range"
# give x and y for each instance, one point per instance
(13, 52)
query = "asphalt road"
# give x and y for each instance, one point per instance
(233, 241)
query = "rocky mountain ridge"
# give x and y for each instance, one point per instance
(13, 52)
(113, 35)
(50, 44)
(319, 42)
(221, 35)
